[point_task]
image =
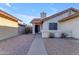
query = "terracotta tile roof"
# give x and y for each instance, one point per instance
(69, 17)
(36, 19)
(57, 14)
(9, 16)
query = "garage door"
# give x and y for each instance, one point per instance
(7, 32)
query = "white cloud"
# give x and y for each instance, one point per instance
(8, 4)
(54, 10)
(2, 8)
(25, 18)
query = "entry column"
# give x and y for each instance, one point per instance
(33, 29)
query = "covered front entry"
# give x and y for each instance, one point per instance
(37, 28)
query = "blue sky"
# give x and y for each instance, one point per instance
(28, 11)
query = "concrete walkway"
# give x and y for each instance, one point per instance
(37, 47)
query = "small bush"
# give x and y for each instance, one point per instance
(28, 30)
(63, 35)
(51, 35)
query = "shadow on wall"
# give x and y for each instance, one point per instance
(7, 32)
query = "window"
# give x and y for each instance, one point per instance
(52, 26)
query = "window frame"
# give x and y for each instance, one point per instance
(55, 26)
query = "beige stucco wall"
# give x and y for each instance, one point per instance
(8, 28)
(71, 26)
(7, 22)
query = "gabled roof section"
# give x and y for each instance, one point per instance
(57, 14)
(70, 17)
(36, 20)
(9, 16)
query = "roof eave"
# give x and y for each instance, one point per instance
(52, 16)
(69, 17)
(8, 15)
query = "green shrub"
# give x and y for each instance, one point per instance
(63, 35)
(28, 30)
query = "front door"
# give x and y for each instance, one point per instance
(37, 28)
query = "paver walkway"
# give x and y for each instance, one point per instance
(37, 47)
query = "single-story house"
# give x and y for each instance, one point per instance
(8, 25)
(66, 21)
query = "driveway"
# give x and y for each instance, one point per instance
(62, 46)
(16, 46)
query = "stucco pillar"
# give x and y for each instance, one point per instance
(40, 28)
(33, 29)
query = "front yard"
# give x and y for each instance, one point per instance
(20, 45)
(62, 46)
